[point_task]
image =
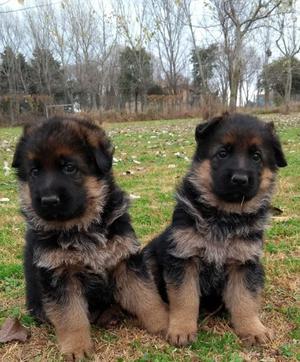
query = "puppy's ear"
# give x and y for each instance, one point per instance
(277, 148)
(18, 155)
(104, 156)
(20, 147)
(99, 143)
(204, 129)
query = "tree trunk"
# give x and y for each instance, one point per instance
(94, 101)
(234, 85)
(288, 86)
(136, 101)
(266, 85)
(142, 97)
(241, 93)
(267, 96)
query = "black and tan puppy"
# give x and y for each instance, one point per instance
(211, 251)
(78, 227)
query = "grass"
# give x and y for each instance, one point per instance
(151, 157)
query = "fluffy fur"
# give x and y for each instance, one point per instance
(78, 228)
(210, 253)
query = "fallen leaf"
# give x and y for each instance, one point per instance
(128, 172)
(281, 218)
(6, 168)
(4, 199)
(134, 197)
(275, 211)
(11, 330)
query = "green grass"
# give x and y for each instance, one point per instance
(150, 167)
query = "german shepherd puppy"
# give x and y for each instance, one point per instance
(211, 250)
(78, 227)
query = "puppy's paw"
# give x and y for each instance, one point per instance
(157, 323)
(256, 335)
(182, 335)
(110, 318)
(77, 349)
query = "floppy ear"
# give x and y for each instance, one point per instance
(204, 129)
(17, 159)
(277, 148)
(104, 156)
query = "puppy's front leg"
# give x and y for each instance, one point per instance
(183, 292)
(242, 298)
(67, 311)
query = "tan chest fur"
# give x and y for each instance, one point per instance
(189, 243)
(93, 258)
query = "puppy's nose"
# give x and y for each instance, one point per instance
(239, 179)
(51, 200)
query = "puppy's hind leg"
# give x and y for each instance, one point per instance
(140, 297)
(242, 299)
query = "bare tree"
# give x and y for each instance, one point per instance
(266, 35)
(169, 22)
(237, 19)
(251, 64)
(188, 16)
(11, 39)
(90, 45)
(39, 29)
(134, 23)
(288, 43)
(221, 76)
(108, 55)
(60, 43)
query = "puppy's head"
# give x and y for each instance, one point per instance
(239, 156)
(63, 166)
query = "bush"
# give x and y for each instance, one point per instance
(19, 109)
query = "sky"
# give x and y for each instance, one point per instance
(204, 30)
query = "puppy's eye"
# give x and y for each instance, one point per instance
(222, 153)
(256, 157)
(69, 169)
(34, 172)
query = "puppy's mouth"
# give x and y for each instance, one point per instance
(237, 196)
(58, 213)
(54, 216)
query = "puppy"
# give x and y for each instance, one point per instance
(211, 250)
(78, 227)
